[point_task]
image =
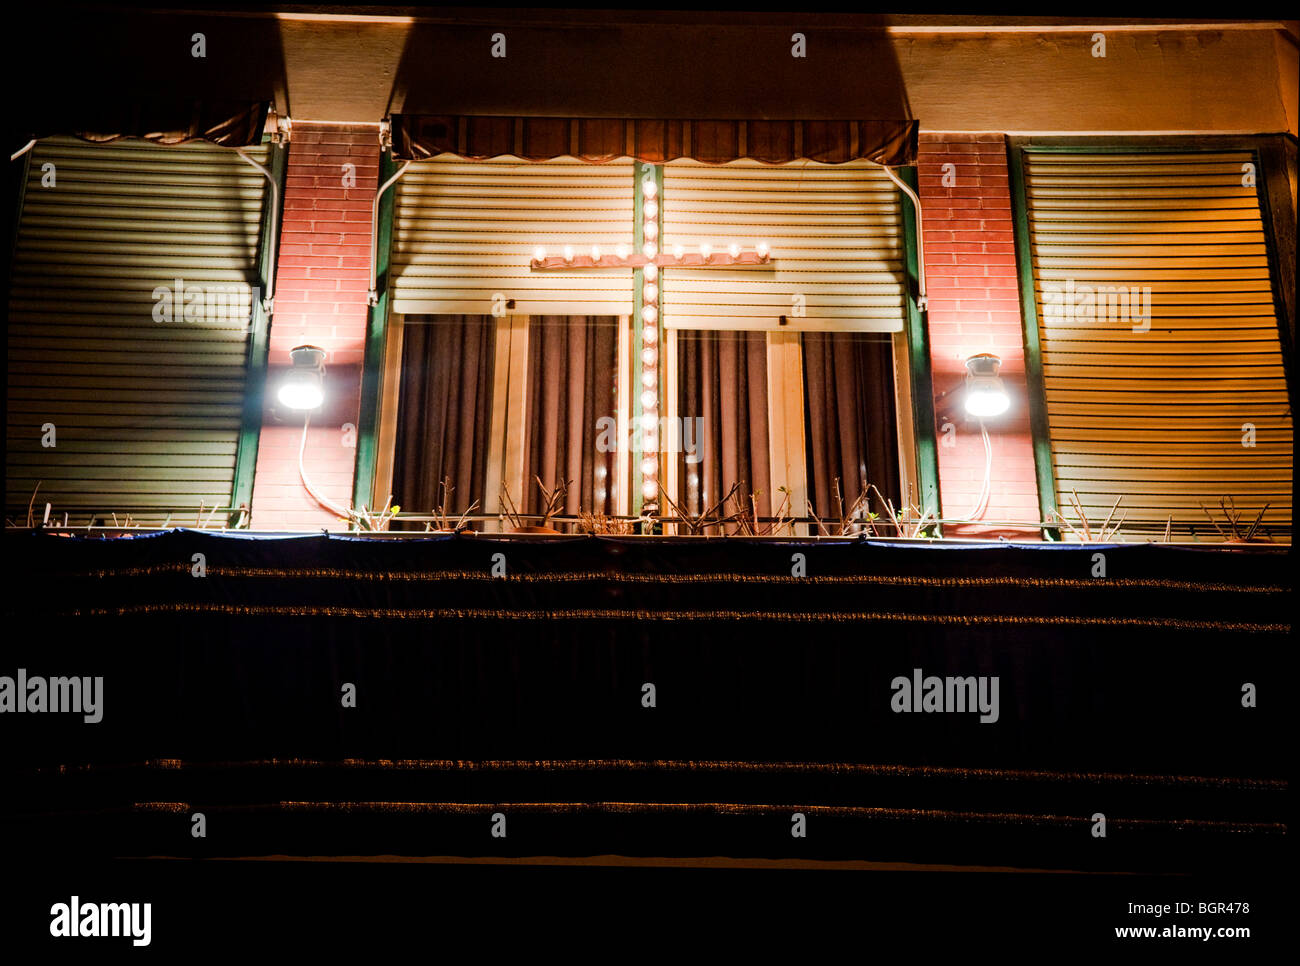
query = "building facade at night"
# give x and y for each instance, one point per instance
(1121, 242)
(723, 423)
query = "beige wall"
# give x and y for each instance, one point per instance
(1167, 82)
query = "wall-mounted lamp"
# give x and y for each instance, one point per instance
(304, 385)
(303, 389)
(985, 394)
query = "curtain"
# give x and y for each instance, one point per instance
(722, 380)
(572, 368)
(445, 411)
(851, 429)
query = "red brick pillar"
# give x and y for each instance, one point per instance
(320, 298)
(975, 307)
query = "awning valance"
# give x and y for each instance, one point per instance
(228, 124)
(653, 88)
(598, 140)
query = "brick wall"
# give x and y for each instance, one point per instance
(971, 276)
(320, 298)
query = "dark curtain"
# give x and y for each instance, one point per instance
(477, 694)
(445, 411)
(572, 369)
(722, 380)
(654, 141)
(851, 428)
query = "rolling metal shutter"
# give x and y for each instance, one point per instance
(465, 231)
(836, 237)
(1157, 417)
(146, 414)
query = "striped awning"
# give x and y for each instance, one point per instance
(599, 140)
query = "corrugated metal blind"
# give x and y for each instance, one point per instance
(836, 236)
(146, 413)
(465, 231)
(1174, 242)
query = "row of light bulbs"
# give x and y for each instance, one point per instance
(650, 341)
(651, 248)
(650, 323)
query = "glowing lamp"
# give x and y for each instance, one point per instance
(304, 384)
(985, 394)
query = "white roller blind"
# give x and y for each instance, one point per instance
(146, 413)
(836, 238)
(465, 231)
(1153, 407)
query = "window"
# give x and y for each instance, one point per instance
(781, 378)
(1150, 298)
(499, 404)
(133, 320)
(784, 374)
(542, 355)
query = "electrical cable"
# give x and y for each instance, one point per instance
(987, 489)
(302, 472)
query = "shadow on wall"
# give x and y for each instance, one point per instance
(719, 66)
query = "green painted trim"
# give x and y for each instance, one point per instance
(1040, 431)
(918, 351)
(250, 429)
(372, 372)
(1280, 313)
(1136, 144)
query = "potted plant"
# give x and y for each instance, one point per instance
(552, 503)
(445, 525)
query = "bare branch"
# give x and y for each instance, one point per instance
(1214, 523)
(1258, 518)
(30, 503)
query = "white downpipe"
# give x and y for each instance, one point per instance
(372, 296)
(23, 150)
(921, 299)
(268, 302)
